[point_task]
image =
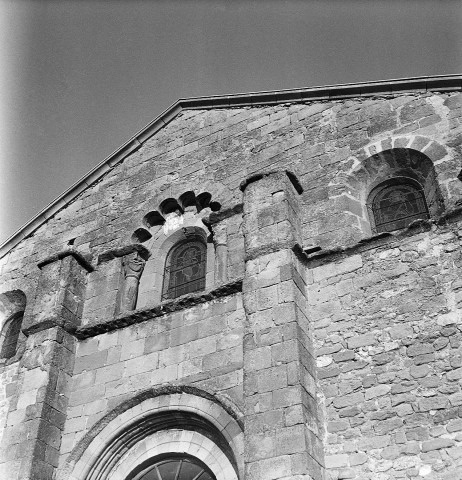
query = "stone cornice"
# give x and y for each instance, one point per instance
(258, 176)
(322, 257)
(84, 262)
(120, 252)
(330, 92)
(217, 217)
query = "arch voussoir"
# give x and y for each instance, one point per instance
(174, 420)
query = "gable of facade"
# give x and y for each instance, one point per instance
(254, 287)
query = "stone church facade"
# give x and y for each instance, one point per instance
(259, 286)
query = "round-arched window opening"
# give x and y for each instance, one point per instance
(173, 467)
(395, 204)
(11, 336)
(185, 269)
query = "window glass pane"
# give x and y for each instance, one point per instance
(396, 206)
(169, 469)
(205, 476)
(185, 270)
(151, 475)
(189, 471)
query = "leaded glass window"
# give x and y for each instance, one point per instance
(185, 269)
(10, 341)
(395, 206)
(177, 468)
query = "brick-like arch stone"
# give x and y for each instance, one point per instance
(361, 172)
(432, 149)
(436, 152)
(94, 457)
(175, 441)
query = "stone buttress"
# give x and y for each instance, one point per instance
(281, 417)
(38, 415)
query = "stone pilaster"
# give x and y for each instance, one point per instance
(281, 416)
(38, 413)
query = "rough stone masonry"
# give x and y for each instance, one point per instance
(231, 294)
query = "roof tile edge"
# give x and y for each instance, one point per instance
(317, 93)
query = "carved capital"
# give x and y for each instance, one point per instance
(219, 234)
(133, 265)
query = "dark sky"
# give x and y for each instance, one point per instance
(79, 77)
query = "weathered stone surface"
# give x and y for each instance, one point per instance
(377, 391)
(433, 403)
(437, 444)
(361, 341)
(419, 349)
(348, 400)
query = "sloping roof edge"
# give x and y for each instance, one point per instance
(328, 92)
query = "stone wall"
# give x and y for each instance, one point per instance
(387, 330)
(199, 346)
(8, 387)
(322, 143)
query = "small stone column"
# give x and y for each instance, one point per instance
(46, 367)
(221, 252)
(281, 416)
(132, 267)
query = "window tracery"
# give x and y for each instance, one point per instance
(176, 468)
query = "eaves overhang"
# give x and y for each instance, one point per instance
(441, 83)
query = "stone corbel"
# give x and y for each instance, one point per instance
(143, 252)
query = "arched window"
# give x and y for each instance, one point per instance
(176, 467)
(11, 335)
(185, 269)
(395, 204)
